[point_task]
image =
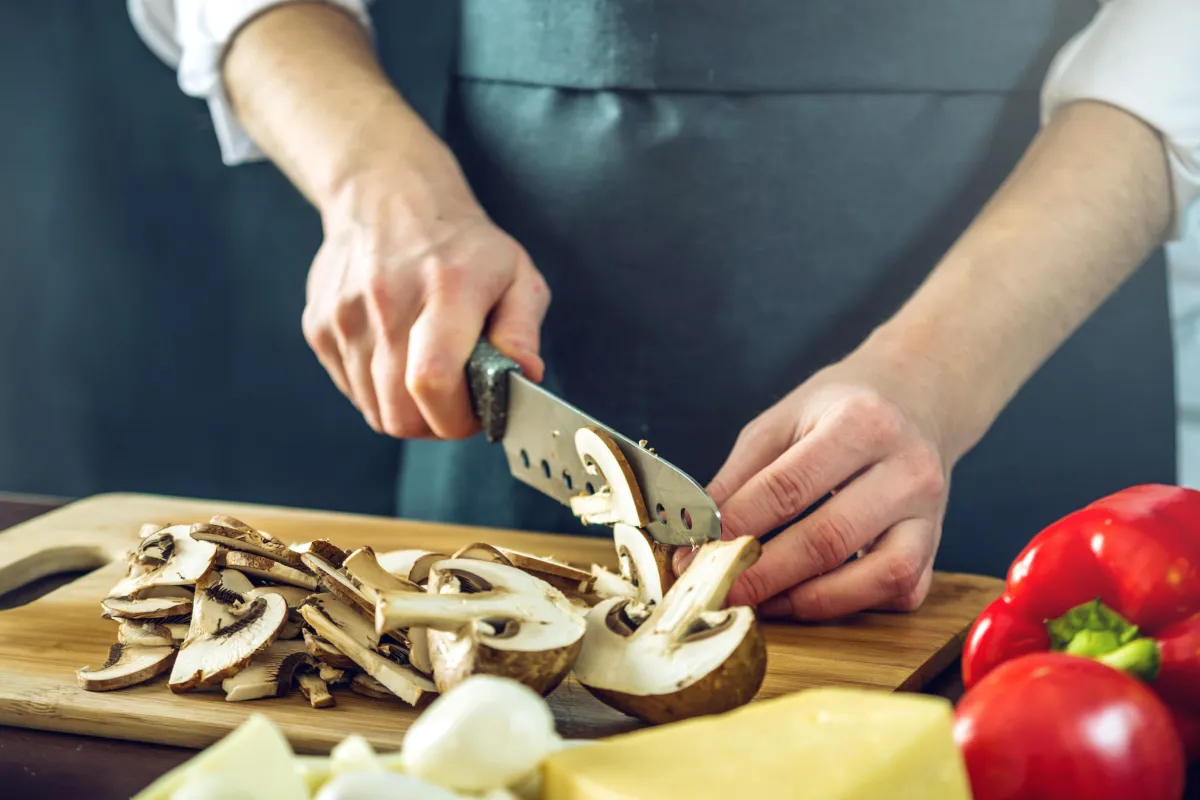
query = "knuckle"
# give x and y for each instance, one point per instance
(902, 580)
(379, 292)
(756, 586)
(347, 316)
(927, 473)
(788, 491)
(445, 277)
(829, 541)
(813, 603)
(879, 421)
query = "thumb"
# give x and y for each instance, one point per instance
(516, 320)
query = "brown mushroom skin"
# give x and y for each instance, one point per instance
(541, 671)
(734, 684)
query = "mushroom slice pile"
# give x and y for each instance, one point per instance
(149, 633)
(346, 630)
(269, 674)
(689, 657)
(370, 578)
(323, 651)
(248, 540)
(325, 549)
(489, 618)
(226, 633)
(338, 583)
(127, 665)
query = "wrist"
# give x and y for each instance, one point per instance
(934, 371)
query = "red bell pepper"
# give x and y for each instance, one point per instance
(1118, 581)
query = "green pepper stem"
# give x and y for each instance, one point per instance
(1139, 658)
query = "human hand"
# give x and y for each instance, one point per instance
(410, 272)
(864, 430)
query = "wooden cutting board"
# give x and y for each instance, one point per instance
(42, 644)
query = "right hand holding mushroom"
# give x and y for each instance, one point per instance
(410, 271)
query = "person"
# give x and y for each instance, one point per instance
(839, 249)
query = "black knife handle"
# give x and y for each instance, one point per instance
(487, 378)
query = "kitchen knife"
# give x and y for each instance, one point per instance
(537, 431)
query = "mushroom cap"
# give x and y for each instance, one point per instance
(323, 548)
(365, 571)
(688, 656)
(127, 665)
(717, 672)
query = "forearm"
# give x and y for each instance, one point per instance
(1089, 200)
(304, 82)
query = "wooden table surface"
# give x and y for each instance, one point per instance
(39, 764)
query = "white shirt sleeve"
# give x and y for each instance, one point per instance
(1142, 56)
(191, 36)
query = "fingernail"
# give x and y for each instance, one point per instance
(683, 556)
(775, 608)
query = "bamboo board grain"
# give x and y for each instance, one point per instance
(42, 644)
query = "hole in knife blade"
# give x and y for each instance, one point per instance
(546, 468)
(567, 479)
(686, 517)
(590, 489)
(525, 459)
(662, 513)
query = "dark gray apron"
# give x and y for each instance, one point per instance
(726, 196)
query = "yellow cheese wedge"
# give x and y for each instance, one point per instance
(819, 744)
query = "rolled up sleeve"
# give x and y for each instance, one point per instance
(1142, 56)
(191, 36)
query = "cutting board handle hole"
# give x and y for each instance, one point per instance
(39, 574)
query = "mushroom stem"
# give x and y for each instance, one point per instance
(445, 612)
(696, 592)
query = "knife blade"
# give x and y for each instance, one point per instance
(537, 432)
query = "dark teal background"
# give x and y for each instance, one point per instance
(150, 297)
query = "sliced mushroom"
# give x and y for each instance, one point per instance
(340, 625)
(221, 597)
(644, 562)
(227, 521)
(127, 665)
(364, 684)
(322, 650)
(620, 498)
(338, 583)
(264, 568)
(145, 634)
(332, 675)
(294, 595)
(370, 578)
(245, 541)
(610, 584)
(688, 657)
(411, 564)
(481, 551)
(562, 576)
(326, 550)
(316, 690)
(269, 674)
(225, 634)
(513, 625)
(158, 602)
(185, 562)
